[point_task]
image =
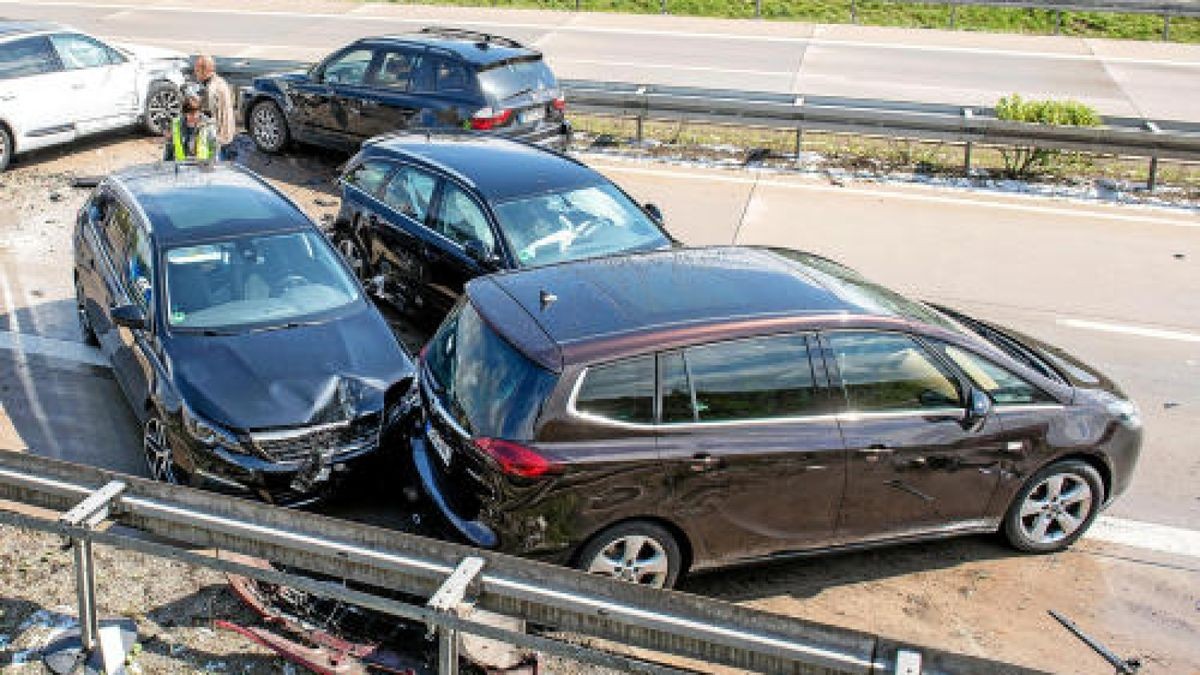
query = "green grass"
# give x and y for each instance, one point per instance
(881, 13)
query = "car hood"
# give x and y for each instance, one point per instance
(312, 374)
(147, 53)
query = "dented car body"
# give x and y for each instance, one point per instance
(242, 342)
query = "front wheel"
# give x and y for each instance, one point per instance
(163, 104)
(638, 552)
(160, 459)
(1054, 508)
(6, 147)
(268, 127)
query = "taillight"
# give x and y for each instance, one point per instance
(486, 118)
(515, 459)
(560, 103)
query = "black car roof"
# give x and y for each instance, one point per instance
(186, 202)
(499, 168)
(17, 28)
(617, 305)
(480, 49)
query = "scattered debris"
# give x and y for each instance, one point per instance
(325, 201)
(1170, 404)
(56, 196)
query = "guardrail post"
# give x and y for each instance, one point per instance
(953, 15)
(854, 11)
(663, 6)
(758, 9)
(1166, 27)
(1152, 179)
(447, 600)
(967, 158)
(1057, 21)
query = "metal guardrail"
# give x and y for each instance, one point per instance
(702, 629)
(1152, 139)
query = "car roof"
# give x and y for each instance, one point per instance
(191, 202)
(479, 49)
(607, 308)
(14, 29)
(498, 167)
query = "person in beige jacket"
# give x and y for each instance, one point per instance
(216, 100)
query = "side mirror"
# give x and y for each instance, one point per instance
(979, 406)
(654, 212)
(129, 316)
(476, 251)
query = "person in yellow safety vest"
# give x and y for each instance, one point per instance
(191, 135)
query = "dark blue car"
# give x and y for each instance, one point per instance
(439, 78)
(422, 214)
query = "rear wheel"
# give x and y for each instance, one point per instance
(638, 552)
(163, 104)
(1054, 508)
(268, 127)
(6, 147)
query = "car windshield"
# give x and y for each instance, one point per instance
(515, 78)
(488, 386)
(255, 281)
(576, 223)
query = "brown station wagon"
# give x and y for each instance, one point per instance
(643, 415)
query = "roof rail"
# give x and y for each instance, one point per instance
(484, 39)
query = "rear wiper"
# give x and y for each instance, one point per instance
(520, 92)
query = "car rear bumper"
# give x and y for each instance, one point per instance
(432, 483)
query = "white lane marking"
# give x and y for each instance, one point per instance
(674, 66)
(1140, 331)
(891, 194)
(1148, 536)
(25, 345)
(645, 32)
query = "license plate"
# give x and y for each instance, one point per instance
(533, 115)
(439, 444)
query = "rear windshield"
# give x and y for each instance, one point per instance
(480, 379)
(516, 78)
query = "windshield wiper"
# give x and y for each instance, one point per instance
(285, 326)
(519, 92)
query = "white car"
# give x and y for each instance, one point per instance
(58, 84)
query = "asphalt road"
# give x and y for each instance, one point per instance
(1157, 81)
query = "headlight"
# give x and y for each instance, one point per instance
(206, 432)
(1125, 411)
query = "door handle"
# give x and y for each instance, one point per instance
(705, 462)
(872, 453)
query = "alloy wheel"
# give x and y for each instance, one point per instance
(266, 127)
(158, 453)
(634, 558)
(85, 323)
(5, 149)
(162, 107)
(353, 255)
(1055, 508)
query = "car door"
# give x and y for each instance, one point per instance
(135, 351)
(323, 103)
(112, 262)
(461, 244)
(750, 446)
(392, 105)
(446, 91)
(38, 98)
(918, 461)
(400, 237)
(105, 82)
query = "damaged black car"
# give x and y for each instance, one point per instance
(244, 345)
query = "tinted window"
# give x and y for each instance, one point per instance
(410, 191)
(79, 51)
(450, 76)
(271, 279)
(489, 387)
(1003, 386)
(368, 176)
(348, 68)
(117, 230)
(516, 78)
(396, 69)
(676, 391)
(139, 281)
(461, 220)
(890, 371)
(620, 391)
(752, 379)
(583, 222)
(30, 56)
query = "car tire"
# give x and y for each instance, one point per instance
(1054, 507)
(85, 323)
(164, 102)
(637, 551)
(354, 255)
(6, 147)
(160, 459)
(268, 127)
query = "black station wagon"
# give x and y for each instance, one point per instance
(439, 78)
(639, 416)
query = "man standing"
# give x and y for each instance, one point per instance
(191, 135)
(216, 99)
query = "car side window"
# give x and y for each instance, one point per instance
(759, 378)
(26, 57)
(1003, 386)
(368, 176)
(450, 76)
(139, 268)
(117, 231)
(460, 219)
(396, 69)
(410, 191)
(80, 51)
(621, 391)
(349, 67)
(890, 372)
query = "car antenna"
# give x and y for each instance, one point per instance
(546, 298)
